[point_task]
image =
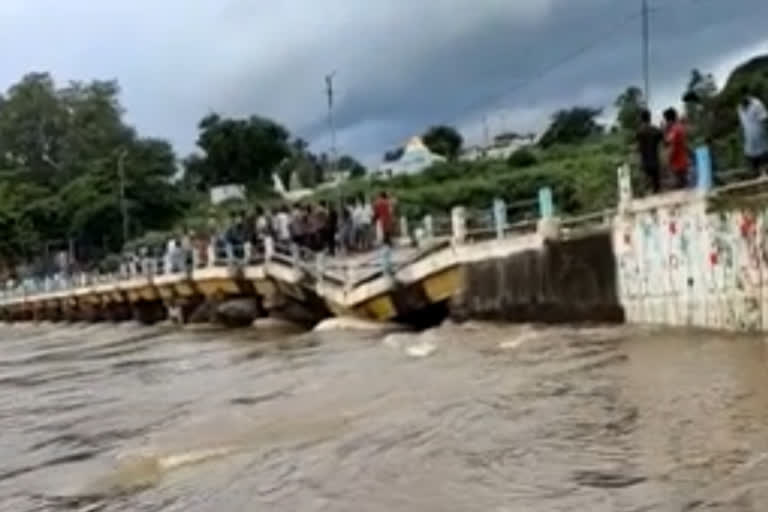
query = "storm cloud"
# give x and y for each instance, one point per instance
(401, 64)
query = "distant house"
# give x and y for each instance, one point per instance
(415, 157)
(503, 146)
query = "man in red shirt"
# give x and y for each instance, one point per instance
(382, 214)
(675, 138)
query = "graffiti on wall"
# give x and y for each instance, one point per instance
(679, 265)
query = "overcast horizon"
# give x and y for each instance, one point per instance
(401, 66)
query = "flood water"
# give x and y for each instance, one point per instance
(460, 418)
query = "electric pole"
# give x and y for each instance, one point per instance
(332, 128)
(123, 206)
(486, 132)
(646, 53)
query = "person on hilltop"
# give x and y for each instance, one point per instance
(753, 118)
(675, 138)
(649, 139)
(383, 216)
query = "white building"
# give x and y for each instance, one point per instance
(501, 149)
(415, 158)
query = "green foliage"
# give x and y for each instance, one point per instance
(354, 168)
(443, 140)
(629, 104)
(522, 158)
(571, 126)
(243, 151)
(59, 177)
(583, 178)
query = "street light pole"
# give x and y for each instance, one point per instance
(332, 126)
(123, 206)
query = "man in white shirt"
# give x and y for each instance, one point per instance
(753, 118)
(283, 225)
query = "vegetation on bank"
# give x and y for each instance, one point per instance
(62, 150)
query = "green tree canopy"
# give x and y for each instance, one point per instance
(349, 164)
(245, 151)
(443, 140)
(571, 125)
(59, 149)
(629, 104)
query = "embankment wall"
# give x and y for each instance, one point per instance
(693, 259)
(567, 280)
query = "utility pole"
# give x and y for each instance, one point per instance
(123, 206)
(486, 132)
(646, 53)
(332, 127)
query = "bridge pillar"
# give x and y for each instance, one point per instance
(149, 311)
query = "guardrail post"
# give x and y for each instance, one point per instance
(211, 253)
(247, 252)
(195, 257)
(320, 267)
(499, 217)
(625, 186)
(269, 248)
(429, 227)
(703, 168)
(546, 206)
(459, 225)
(230, 254)
(386, 259)
(346, 268)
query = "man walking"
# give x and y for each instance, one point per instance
(649, 140)
(679, 159)
(753, 117)
(382, 213)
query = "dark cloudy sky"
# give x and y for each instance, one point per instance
(402, 64)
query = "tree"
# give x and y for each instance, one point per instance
(354, 168)
(443, 140)
(570, 126)
(59, 148)
(629, 104)
(393, 155)
(245, 151)
(521, 158)
(699, 99)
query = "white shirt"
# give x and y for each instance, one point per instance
(367, 213)
(283, 228)
(358, 215)
(753, 119)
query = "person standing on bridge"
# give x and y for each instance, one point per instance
(649, 140)
(383, 216)
(753, 118)
(677, 144)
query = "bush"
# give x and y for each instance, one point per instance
(522, 158)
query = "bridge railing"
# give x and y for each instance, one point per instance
(500, 220)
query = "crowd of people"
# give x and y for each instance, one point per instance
(673, 136)
(348, 228)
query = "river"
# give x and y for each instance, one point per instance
(478, 417)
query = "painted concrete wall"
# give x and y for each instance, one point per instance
(569, 280)
(694, 259)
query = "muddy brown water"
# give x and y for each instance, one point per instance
(477, 417)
